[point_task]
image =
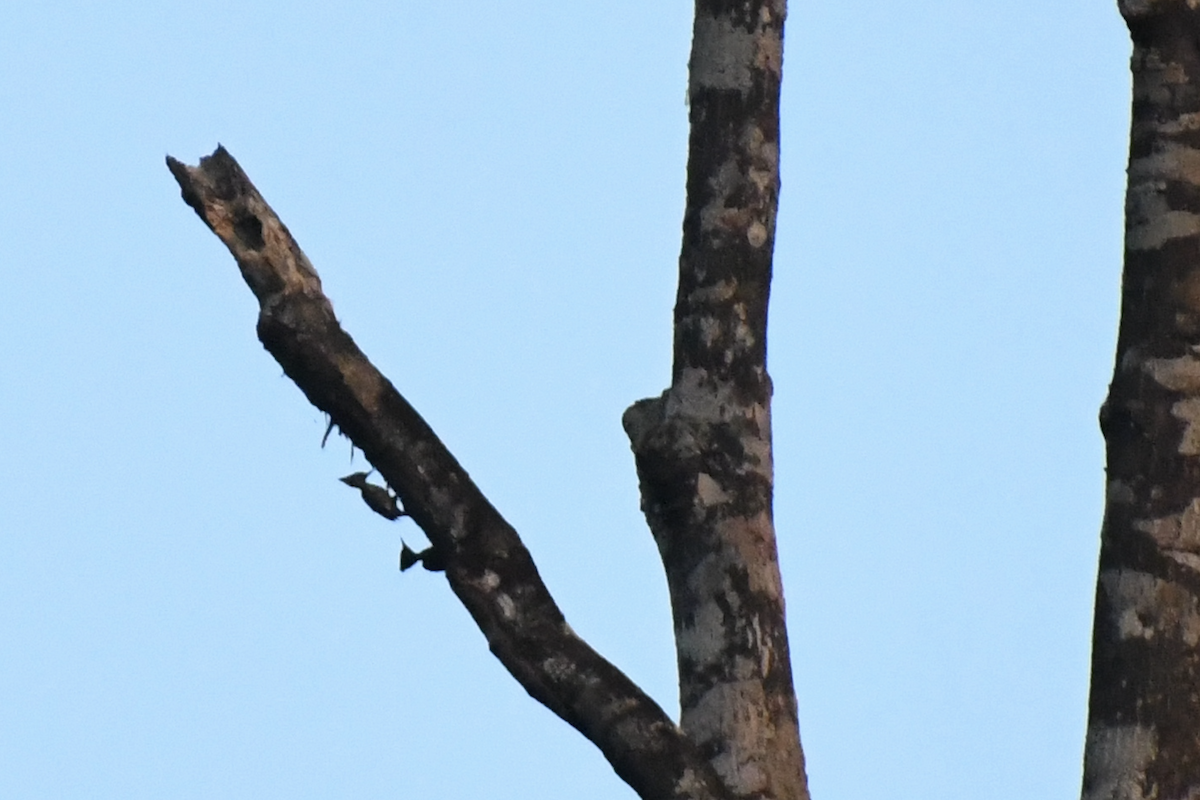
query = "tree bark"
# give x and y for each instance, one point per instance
(1143, 738)
(703, 448)
(486, 564)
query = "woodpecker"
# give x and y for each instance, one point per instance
(429, 558)
(378, 498)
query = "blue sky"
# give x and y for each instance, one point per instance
(192, 606)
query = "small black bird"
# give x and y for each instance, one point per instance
(380, 500)
(429, 558)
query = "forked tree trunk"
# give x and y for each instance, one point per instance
(1143, 738)
(703, 451)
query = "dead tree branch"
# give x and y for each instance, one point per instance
(487, 565)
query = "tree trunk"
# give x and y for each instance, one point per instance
(1143, 738)
(703, 448)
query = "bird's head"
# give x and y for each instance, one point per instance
(358, 480)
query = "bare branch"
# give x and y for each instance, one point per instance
(703, 448)
(486, 563)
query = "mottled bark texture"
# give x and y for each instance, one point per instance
(487, 566)
(1143, 738)
(703, 448)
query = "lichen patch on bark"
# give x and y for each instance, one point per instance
(695, 640)
(1177, 374)
(740, 189)
(1187, 411)
(1171, 161)
(737, 706)
(757, 234)
(1153, 223)
(753, 536)
(1184, 123)
(719, 215)
(697, 396)
(1118, 769)
(1175, 532)
(1147, 607)
(722, 54)
(709, 492)
(1182, 375)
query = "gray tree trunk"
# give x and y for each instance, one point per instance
(1143, 737)
(702, 449)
